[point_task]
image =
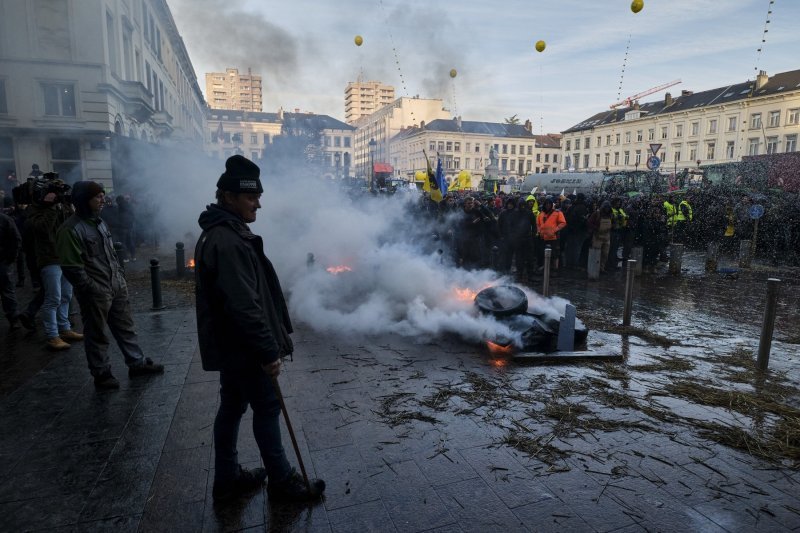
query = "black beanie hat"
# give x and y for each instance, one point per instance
(241, 175)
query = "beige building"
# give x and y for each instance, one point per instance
(715, 126)
(250, 134)
(231, 90)
(373, 132)
(84, 83)
(362, 98)
(466, 145)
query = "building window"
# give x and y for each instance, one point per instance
(59, 99)
(3, 104)
(772, 145)
(774, 119)
(586, 160)
(568, 146)
(639, 137)
(791, 143)
(616, 141)
(440, 145)
(616, 158)
(253, 138)
(586, 142)
(627, 137)
(608, 140)
(528, 165)
(597, 160)
(466, 163)
(7, 163)
(112, 43)
(607, 159)
(266, 138)
(677, 155)
(599, 139)
(504, 164)
(456, 163)
(638, 160)
(693, 152)
(66, 159)
(712, 126)
(456, 147)
(755, 121)
(627, 159)
(512, 165)
(513, 149)
(505, 148)
(449, 146)
(347, 142)
(695, 128)
(432, 146)
(327, 141)
(555, 158)
(752, 146)
(731, 123)
(664, 130)
(530, 150)
(467, 148)
(793, 116)
(729, 149)
(253, 155)
(538, 157)
(710, 151)
(337, 142)
(576, 159)
(651, 134)
(478, 148)
(546, 158)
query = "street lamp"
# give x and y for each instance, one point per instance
(372, 145)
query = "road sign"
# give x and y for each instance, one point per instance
(654, 148)
(653, 162)
(756, 211)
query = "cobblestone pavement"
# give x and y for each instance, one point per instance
(423, 434)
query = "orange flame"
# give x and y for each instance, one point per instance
(190, 263)
(499, 349)
(339, 269)
(465, 294)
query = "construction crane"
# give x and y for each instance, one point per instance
(629, 100)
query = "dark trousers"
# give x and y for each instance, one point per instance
(114, 311)
(238, 389)
(8, 294)
(21, 267)
(616, 242)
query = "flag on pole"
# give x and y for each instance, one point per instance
(440, 179)
(431, 185)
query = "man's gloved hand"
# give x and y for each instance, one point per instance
(272, 369)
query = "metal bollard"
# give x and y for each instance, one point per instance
(712, 257)
(637, 253)
(593, 264)
(180, 260)
(548, 252)
(675, 259)
(493, 255)
(628, 306)
(767, 328)
(155, 285)
(744, 254)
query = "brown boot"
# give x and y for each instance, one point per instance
(71, 335)
(57, 344)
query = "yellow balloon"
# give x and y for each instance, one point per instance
(637, 5)
(453, 73)
(540, 46)
(359, 40)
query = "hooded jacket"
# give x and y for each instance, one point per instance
(242, 319)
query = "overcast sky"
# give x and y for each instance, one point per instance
(304, 50)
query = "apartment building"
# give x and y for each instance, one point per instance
(373, 132)
(231, 90)
(714, 126)
(362, 98)
(232, 131)
(82, 81)
(465, 145)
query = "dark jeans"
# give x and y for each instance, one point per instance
(238, 389)
(7, 293)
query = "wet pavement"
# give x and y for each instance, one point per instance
(434, 434)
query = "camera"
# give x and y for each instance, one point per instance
(37, 188)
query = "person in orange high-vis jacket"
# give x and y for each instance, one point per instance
(549, 222)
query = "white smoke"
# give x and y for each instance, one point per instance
(397, 282)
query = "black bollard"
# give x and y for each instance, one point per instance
(768, 326)
(494, 253)
(155, 285)
(180, 260)
(310, 260)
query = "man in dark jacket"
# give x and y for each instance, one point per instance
(10, 244)
(243, 328)
(89, 262)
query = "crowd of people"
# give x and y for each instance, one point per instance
(510, 232)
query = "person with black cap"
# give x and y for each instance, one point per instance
(90, 263)
(243, 332)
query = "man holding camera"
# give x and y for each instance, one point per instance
(47, 213)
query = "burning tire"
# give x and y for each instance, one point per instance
(504, 300)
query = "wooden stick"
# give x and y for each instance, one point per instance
(278, 393)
